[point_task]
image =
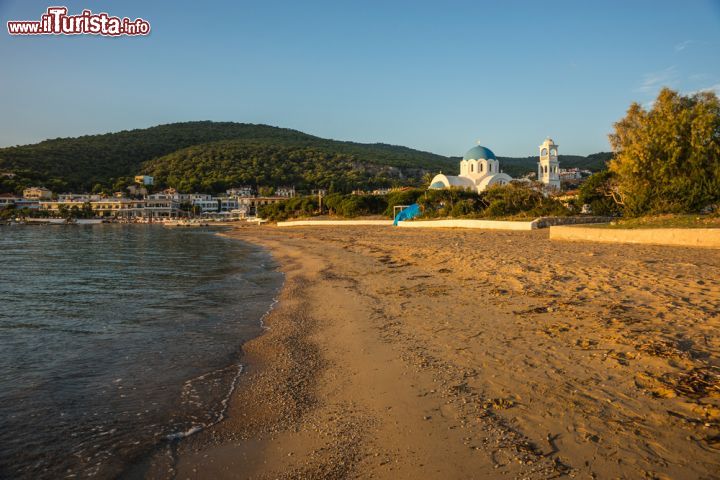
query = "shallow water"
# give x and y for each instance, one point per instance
(114, 338)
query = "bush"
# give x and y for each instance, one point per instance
(292, 207)
(512, 200)
(355, 205)
(402, 197)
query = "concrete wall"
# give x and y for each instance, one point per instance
(469, 223)
(542, 222)
(681, 237)
(305, 223)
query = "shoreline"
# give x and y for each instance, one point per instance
(356, 378)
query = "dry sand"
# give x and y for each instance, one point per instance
(453, 354)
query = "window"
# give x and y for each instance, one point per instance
(481, 167)
(553, 152)
(472, 167)
(543, 152)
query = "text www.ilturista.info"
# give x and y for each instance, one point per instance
(57, 22)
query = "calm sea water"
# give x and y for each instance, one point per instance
(116, 338)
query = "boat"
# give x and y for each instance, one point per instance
(88, 221)
(46, 221)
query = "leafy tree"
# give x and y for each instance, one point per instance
(597, 192)
(667, 158)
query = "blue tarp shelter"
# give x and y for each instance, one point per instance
(406, 214)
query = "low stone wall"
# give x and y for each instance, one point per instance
(469, 223)
(545, 222)
(325, 223)
(679, 237)
(542, 222)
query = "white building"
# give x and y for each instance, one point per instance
(77, 197)
(228, 204)
(161, 205)
(479, 169)
(206, 202)
(549, 166)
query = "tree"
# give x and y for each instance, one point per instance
(426, 179)
(597, 192)
(667, 159)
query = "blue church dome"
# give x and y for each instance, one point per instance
(479, 152)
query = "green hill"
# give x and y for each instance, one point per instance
(80, 163)
(210, 156)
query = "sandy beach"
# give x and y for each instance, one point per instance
(398, 354)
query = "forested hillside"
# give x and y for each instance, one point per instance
(84, 162)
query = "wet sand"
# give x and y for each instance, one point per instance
(398, 354)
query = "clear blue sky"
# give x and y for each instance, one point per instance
(436, 76)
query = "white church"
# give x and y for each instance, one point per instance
(479, 169)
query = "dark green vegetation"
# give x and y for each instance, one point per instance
(518, 167)
(341, 205)
(667, 159)
(513, 201)
(211, 156)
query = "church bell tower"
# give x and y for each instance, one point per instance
(549, 167)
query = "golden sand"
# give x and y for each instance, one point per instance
(427, 354)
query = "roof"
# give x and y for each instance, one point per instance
(479, 152)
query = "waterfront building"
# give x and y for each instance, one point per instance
(118, 207)
(37, 193)
(479, 169)
(228, 204)
(161, 205)
(27, 203)
(206, 202)
(548, 165)
(104, 207)
(8, 200)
